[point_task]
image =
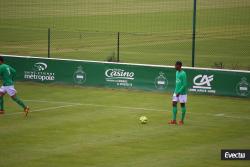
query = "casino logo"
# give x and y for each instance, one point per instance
(119, 74)
(79, 76)
(120, 77)
(161, 81)
(243, 87)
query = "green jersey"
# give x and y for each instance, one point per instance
(7, 74)
(181, 83)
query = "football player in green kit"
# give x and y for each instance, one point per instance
(180, 93)
(7, 74)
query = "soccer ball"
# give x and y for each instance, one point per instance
(143, 119)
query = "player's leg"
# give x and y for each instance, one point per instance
(174, 109)
(1, 103)
(13, 94)
(183, 100)
(18, 101)
(2, 93)
(183, 113)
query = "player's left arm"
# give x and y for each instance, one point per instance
(184, 83)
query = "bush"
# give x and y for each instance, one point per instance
(112, 58)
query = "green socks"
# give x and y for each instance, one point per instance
(19, 102)
(174, 112)
(1, 103)
(183, 110)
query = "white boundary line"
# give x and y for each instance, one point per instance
(44, 109)
(132, 64)
(95, 105)
(69, 104)
(121, 107)
(53, 102)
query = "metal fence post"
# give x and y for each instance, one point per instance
(48, 42)
(118, 47)
(193, 35)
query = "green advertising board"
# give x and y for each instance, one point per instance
(129, 76)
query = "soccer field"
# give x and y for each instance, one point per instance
(152, 31)
(80, 126)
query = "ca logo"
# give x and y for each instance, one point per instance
(203, 81)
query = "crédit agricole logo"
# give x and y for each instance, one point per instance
(203, 83)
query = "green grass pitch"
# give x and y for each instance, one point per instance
(223, 30)
(75, 126)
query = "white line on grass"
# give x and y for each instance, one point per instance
(46, 109)
(95, 105)
(120, 107)
(219, 115)
(53, 102)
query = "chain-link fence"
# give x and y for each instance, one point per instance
(223, 34)
(30, 42)
(156, 48)
(99, 46)
(150, 32)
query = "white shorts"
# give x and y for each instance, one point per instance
(8, 89)
(181, 98)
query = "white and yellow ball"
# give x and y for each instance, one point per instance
(143, 119)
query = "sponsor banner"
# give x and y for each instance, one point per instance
(128, 76)
(234, 154)
(136, 77)
(39, 72)
(119, 77)
(203, 83)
